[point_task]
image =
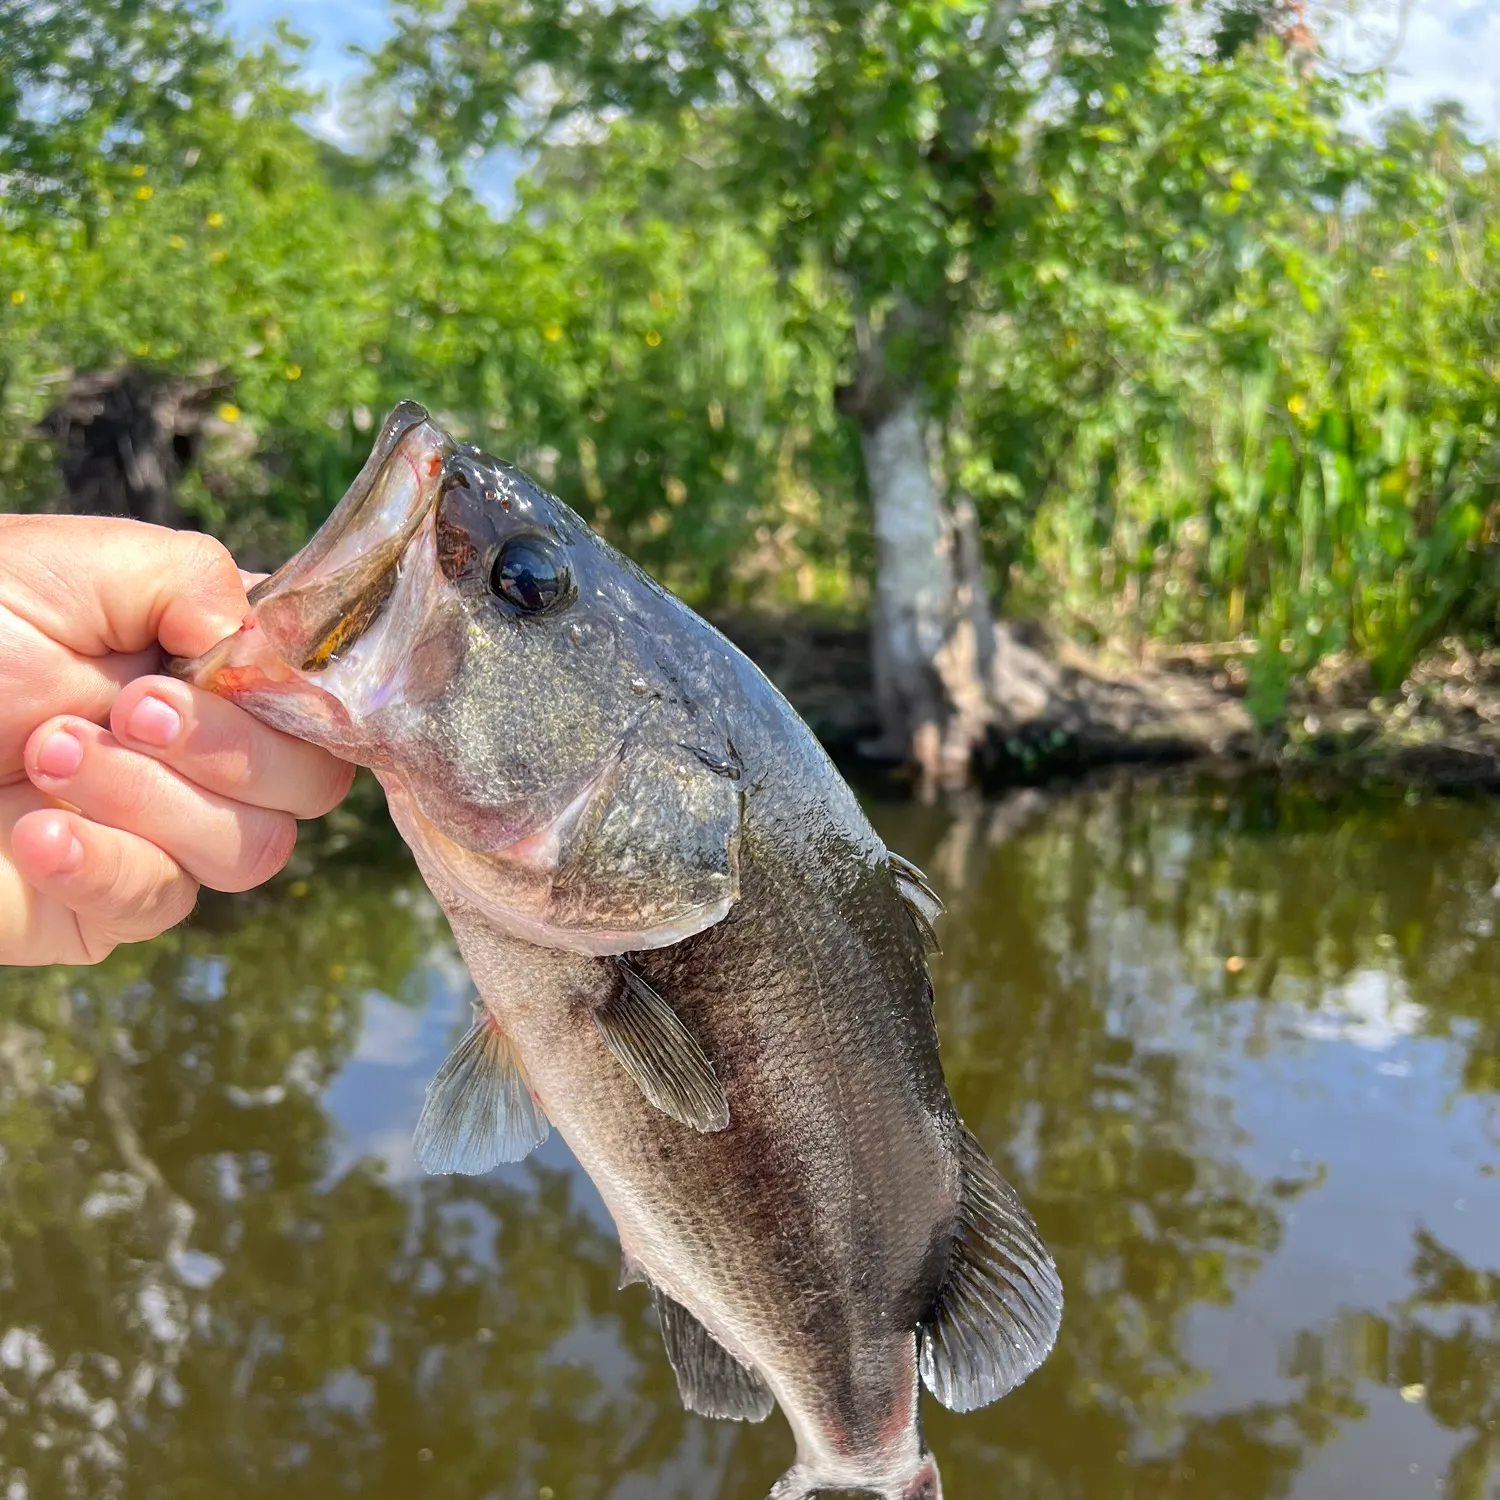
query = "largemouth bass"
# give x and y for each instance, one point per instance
(696, 958)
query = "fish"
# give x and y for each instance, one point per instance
(694, 956)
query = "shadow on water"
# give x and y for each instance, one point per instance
(1239, 1048)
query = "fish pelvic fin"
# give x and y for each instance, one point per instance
(479, 1110)
(998, 1313)
(923, 905)
(650, 1042)
(710, 1380)
(801, 1483)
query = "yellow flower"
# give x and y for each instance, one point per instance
(294, 372)
(653, 338)
(177, 242)
(142, 350)
(17, 297)
(217, 255)
(215, 220)
(229, 412)
(144, 191)
(1431, 253)
(1378, 272)
(137, 170)
(1296, 405)
(552, 333)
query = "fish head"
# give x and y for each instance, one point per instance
(545, 719)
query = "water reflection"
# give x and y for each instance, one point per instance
(1238, 1048)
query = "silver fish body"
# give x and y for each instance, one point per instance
(696, 957)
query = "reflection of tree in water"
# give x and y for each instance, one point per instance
(189, 1305)
(193, 1299)
(1440, 1346)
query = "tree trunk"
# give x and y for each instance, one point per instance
(126, 436)
(931, 636)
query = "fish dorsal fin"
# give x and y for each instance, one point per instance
(650, 1042)
(479, 1110)
(922, 902)
(998, 1313)
(710, 1380)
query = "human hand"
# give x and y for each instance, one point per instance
(107, 833)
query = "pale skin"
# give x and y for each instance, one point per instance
(123, 791)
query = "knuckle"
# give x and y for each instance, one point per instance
(266, 850)
(175, 901)
(152, 899)
(207, 559)
(207, 570)
(240, 753)
(330, 788)
(96, 944)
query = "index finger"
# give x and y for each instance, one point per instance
(99, 584)
(220, 748)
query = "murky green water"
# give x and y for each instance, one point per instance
(1240, 1051)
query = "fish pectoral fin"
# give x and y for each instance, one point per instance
(663, 1057)
(710, 1380)
(922, 903)
(630, 1270)
(479, 1110)
(997, 1316)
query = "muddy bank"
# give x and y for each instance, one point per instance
(1064, 711)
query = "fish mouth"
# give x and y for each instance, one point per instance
(320, 603)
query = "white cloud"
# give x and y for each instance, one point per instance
(388, 1037)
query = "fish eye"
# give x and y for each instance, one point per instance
(530, 576)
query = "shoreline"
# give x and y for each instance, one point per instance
(1065, 712)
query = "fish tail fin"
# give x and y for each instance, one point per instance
(801, 1483)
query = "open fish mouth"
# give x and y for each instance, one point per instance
(319, 604)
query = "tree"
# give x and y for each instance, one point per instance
(890, 147)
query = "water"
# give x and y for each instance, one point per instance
(1240, 1050)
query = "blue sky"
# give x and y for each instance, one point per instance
(1448, 48)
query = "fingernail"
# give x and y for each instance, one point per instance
(61, 754)
(72, 857)
(154, 722)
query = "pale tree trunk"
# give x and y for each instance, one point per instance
(913, 580)
(931, 637)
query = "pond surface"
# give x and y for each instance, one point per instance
(1238, 1048)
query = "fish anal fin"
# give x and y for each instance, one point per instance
(710, 1380)
(997, 1316)
(650, 1042)
(479, 1111)
(922, 903)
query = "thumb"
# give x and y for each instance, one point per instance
(99, 584)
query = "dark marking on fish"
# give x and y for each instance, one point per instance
(479, 1110)
(710, 1380)
(650, 1042)
(997, 1316)
(728, 764)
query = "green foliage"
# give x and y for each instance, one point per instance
(1274, 342)
(606, 335)
(1210, 365)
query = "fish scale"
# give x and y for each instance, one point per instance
(696, 959)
